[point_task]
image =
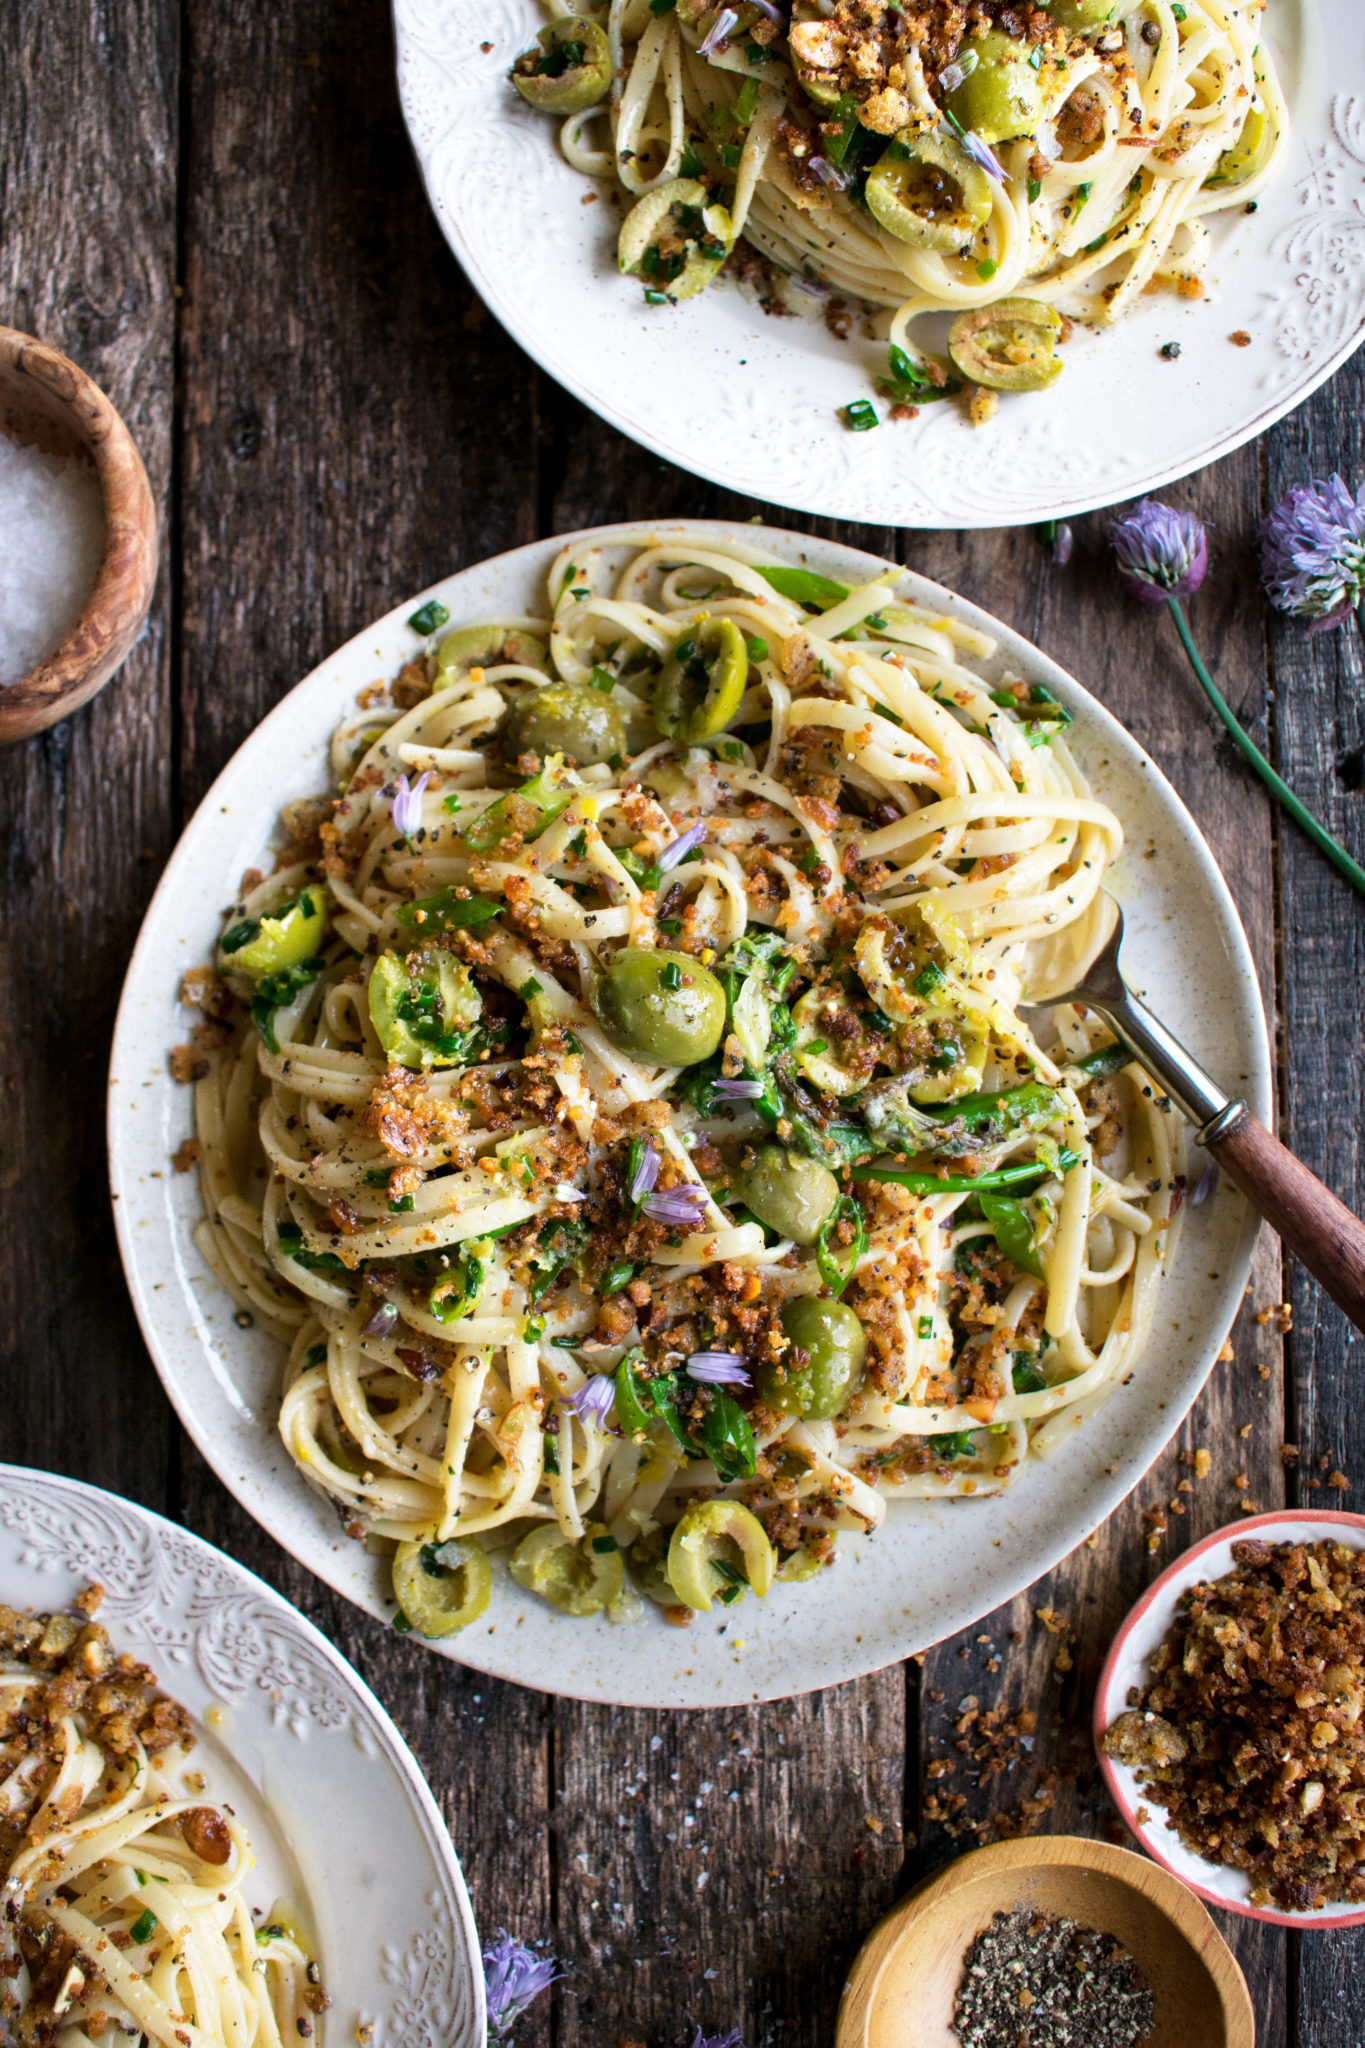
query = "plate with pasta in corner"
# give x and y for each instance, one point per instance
(894, 263)
(631, 1170)
(175, 1863)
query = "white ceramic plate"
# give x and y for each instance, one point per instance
(341, 1823)
(1126, 1666)
(930, 1570)
(749, 401)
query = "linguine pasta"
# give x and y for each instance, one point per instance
(677, 1116)
(122, 1912)
(1047, 160)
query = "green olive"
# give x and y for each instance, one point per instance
(712, 1533)
(702, 681)
(927, 191)
(1008, 346)
(1080, 14)
(648, 1561)
(662, 1007)
(681, 214)
(441, 1587)
(791, 1194)
(282, 938)
(572, 719)
(486, 647)
(1002, 96)
(1249, 154)
(421, 1005)
(577, 1578)
(832, 1339)
(567, 69)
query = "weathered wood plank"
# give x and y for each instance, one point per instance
(1319, 729)
(87, 261)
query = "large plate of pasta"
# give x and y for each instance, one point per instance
(630, 1157)
(175, 1863)
(824, 231)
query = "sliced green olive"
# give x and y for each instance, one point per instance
(441, 1587)
(1079, 15)
(530, 810)
(577, 1578)
(568, 67)
(702, 682)
(717, 1549)
(1009, 346)
(927, 191)
(819, 1384)
(793, 1195)
(281, 939)
(422, 1006)
(1002, 96)
(816, 50)
(648, 1561)
(486, 647)
(662, 1007)
(680, 212)
(572, 719)
(799, 1566)
(1249, 154)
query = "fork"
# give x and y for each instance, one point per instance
(1318, 1229)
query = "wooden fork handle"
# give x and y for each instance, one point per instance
(1319, 1230)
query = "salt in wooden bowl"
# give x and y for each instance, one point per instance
(901, 1989)
(46, 402)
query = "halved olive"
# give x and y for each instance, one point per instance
(820, 1384)
(1002, 95)
(577, 1578)
(927, 191)
(679, 213)
(1008, 346)
(441, 1587)
(421, 1006)
(702, 682)
(662, 1007)
(572, 719)
(1080, 14)
(281, 938)
(791, 1194)
(1249, 154)
(648, 1561)
(716, 1549)
(486, 647)
(567, 69)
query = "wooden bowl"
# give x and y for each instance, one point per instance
(47, 403)
(900, 1993)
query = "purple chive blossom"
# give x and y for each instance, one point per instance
(1161, 553)
(406, 804)
(737, 1088)
(734, 2039)
(720, 28)
(1207, 1182)
(1063, 544)
(383, 1322)
(513, 1975)
(981, 153)
(684, 1206)
(826, 172)
(646, 1173)
(1313, 552)
(718, 1369)
(592, 1403)
(773, 13)
(681, 847)
(564, 1193)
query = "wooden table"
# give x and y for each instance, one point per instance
(214, 210)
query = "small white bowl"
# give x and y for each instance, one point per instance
(1126, 1666)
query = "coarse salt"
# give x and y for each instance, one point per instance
(51, 542)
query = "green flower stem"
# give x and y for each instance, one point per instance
(1279, 789)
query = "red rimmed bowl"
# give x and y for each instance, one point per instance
(1126, 1666)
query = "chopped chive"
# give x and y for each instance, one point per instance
(657, 299)
(757, 650)
(144, 1926)
(602, 679)
(451, 803)
(429, 618)
(986, 271)
(402, 1206)
(1035, 189)
(530, 989)
(730, 154)
(672, 976)
(859, 416)
(747, 103)
(925, 1326)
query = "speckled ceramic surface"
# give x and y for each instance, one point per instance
(1126, 1666)
(723, 389)
(932, 1569)
(280, 1720)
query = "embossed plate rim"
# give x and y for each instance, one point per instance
(752, 410)
(200, 1618)
(860, 1616)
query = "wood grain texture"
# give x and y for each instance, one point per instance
(351, 425)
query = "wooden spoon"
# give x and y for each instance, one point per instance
(1319, 1230)
(901, 1989)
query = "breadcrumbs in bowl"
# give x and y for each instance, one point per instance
(1230, 1718)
